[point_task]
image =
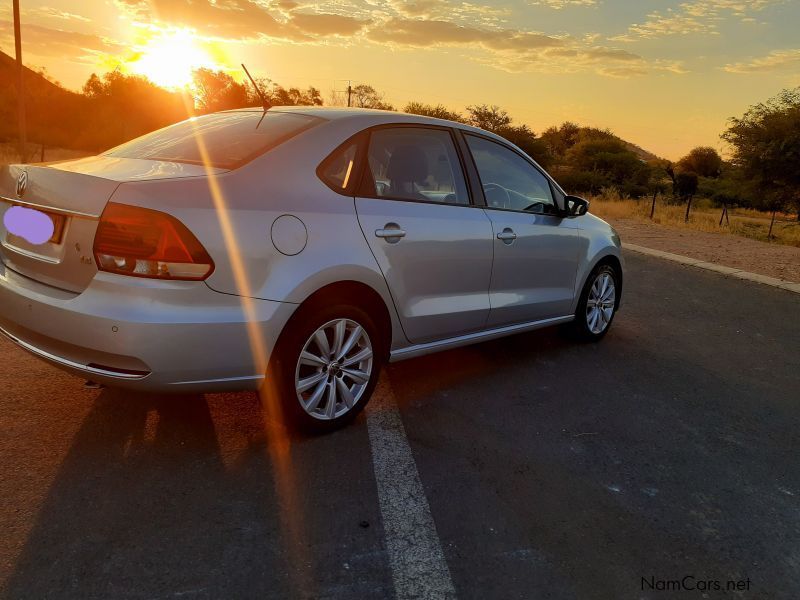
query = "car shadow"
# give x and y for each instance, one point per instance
(144, 504)
(418, 379)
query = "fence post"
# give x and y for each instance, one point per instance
(653, 206)
(771, 223)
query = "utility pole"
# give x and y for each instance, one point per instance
(20, 84)
(349, 89)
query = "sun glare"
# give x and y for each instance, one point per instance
(169, 59)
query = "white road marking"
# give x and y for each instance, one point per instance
(419, 569)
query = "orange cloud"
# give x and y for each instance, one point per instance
(47, 41)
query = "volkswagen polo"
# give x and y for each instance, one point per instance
(303, 247)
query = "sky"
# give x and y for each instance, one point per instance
(664, 74)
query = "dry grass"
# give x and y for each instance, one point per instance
(744, 222)
(9, 154)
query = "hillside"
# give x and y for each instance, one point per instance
(35, 82)
(645, 155)
(49, 107)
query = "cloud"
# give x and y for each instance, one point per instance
(327, 24)
(450, 10)
(233, 19)
(698, 16)
(415, 8)
(479, 29)
(639, 68)
(47, 41)
(54, 13)
(424, 33)
(559, 4)
(520, 51)
(611, 54)
(775, 60)
(245, 19)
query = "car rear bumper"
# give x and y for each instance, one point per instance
(176, 336)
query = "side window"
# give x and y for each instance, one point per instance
(509, 181)
(410, 163)
(338, 168)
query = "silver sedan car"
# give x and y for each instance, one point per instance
(295, 250)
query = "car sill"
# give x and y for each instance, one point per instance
(473, 338)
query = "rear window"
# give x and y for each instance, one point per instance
(223, 140)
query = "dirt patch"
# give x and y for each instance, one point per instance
(773, 260)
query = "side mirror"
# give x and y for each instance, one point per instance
(576, 206)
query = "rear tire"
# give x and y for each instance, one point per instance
(598, 304)
(325, 367)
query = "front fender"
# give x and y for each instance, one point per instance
(598, 242)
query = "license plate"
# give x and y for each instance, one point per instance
(59, 223)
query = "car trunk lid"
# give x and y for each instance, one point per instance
(73, 195)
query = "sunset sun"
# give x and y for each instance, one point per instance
(169, 59)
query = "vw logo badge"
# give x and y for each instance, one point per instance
(22, 184)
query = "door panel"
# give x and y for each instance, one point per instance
(534, 273)
(438, 273)
(535, 249)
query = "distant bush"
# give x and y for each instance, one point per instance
(575, 181)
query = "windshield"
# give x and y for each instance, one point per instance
(229, 139)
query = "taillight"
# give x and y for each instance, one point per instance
(147, 243)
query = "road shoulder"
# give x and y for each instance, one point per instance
(721, 252)
(710, 266)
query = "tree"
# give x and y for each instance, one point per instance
(311, 96)
(366, 96)
(611, 163)
(277, 95)
(766, 146)
(216, 90)
(562, 138)
(144, 105)
(661, 176)
(497, 120)
(490, 118)
(280, 96)
(429, 110)
(686, 184)
(703, 160)
(94, 86)
(525, 139)
(706, 163)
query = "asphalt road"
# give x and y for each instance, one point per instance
(550, 469)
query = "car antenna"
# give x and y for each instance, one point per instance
(264, 102)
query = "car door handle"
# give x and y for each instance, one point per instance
(390, 231)
(507, 235)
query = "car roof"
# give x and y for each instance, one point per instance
(368, 117)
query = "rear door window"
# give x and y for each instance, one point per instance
(223, 140)
(410, 163)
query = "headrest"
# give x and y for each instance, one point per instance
(407, 164)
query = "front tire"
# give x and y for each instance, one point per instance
(598, 304)
(326, 366)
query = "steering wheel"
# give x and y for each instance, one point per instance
(494, 186)
(534, 205)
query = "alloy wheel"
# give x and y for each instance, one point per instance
(600, 303)
(334, 369)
